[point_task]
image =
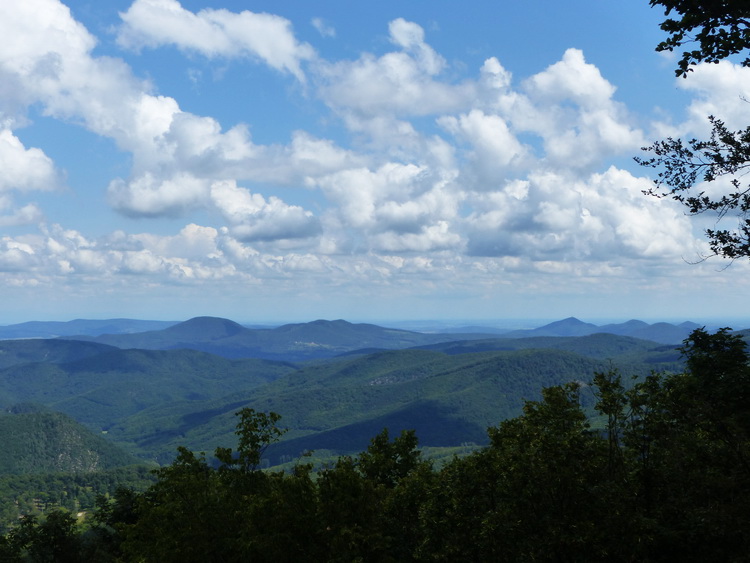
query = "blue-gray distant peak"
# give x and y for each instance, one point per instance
(567, 327)
(203, 327)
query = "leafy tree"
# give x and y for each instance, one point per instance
(454, 516)
(385, 462)
(255, 431)
(113, 515)
(281, 523)
(348, 512)
(236, 512)
(402, 481)
(198, 513)
(703, 477)
(678, 476)
(684, 166)
(720, 29)
(180, 516)
(612, 402)
(664, 481)
(547, 494)
(53, 540)
(369, 505)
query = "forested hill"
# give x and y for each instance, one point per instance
(102, 389)
(337, 405)
(13, 352)
(43, 442)
(624, 349)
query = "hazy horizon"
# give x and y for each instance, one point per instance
(426, 325)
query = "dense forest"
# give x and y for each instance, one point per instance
(659, 470)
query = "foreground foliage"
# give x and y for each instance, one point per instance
(667, 478)
(707, 176)
(686, 169)
(716, 29)
(39, 493)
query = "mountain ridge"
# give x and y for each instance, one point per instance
(662, 332)
(293, 342)
(87, 327)
(321, 339)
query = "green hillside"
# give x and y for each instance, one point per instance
(42, 442)
(103, 389)
(621, 350)
(13, 352)
(339, 405)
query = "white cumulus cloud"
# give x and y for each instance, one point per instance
(254, 218)
(22, 168)
(602, 217)
(215, 33)
(148, 195)
(402, 82)
(721, 90)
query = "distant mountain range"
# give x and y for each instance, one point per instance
(315, 338)
(326, 339)
(665, 333)
(87, 327)
(292, 342)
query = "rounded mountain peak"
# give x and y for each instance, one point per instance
(206, 327)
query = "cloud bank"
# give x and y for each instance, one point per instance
(439, 179)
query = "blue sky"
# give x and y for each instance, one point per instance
(270, 161)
